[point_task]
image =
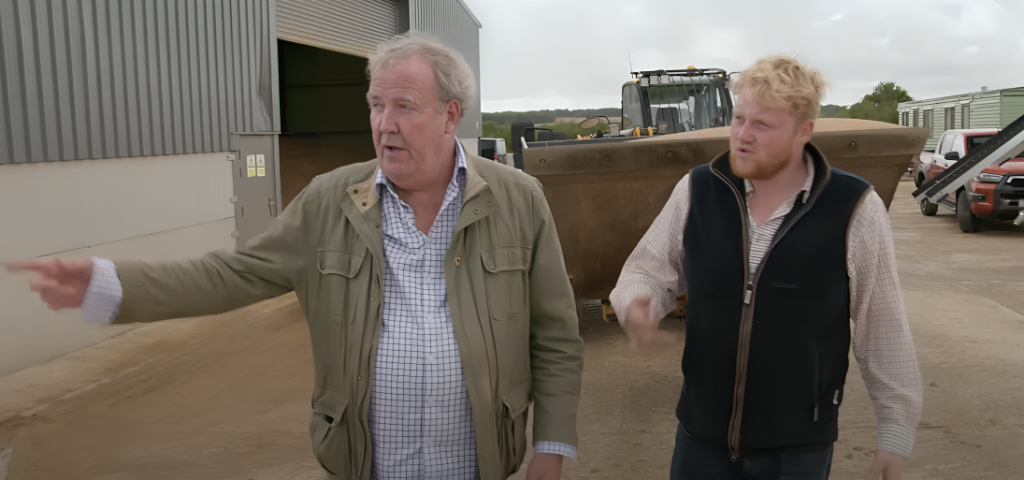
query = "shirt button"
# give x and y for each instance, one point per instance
(430, 357)
(360, 378)
(458, 260)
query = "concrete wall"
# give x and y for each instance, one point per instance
(158, 207)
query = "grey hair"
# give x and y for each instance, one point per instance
(454, 78)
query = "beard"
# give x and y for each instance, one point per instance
(760, 168)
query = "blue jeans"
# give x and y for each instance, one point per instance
(694, 460)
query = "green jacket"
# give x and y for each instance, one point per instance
(511, 303)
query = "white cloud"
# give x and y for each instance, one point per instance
(971, 49)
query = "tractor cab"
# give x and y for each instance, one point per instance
(674, 101)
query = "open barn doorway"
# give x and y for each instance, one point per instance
(325, 123)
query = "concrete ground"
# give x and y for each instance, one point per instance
(226, 397)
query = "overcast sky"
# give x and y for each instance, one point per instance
(544, 54)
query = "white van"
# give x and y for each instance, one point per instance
(494, 149)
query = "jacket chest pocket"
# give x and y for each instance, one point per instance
(506, 281)
(340, 283)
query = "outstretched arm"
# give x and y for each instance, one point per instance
(141, 291)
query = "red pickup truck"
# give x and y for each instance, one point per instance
(998, 192)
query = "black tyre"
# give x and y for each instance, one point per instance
(968, 221)
(928, 208)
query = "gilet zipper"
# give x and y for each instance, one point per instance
(747, 315)
(745, 327)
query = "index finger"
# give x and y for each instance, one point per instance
(45, 266)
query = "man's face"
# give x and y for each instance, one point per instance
(410, 130)
(763, 141)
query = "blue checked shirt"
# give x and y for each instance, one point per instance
(421, 421)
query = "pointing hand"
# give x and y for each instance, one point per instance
(61, 283)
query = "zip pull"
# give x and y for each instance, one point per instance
(835, 398)
(815, 411)
(749, 293)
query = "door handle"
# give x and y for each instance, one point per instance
(270, 205)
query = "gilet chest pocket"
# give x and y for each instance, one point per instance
(338, 269)
(506, 281)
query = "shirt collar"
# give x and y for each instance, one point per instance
(383, 182)
(808, 184)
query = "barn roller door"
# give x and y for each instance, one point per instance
(354, 27)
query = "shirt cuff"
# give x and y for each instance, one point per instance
(896, 439)
(555, 448)
(102, 302)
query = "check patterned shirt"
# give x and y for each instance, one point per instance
(421, 421)
(882, 343)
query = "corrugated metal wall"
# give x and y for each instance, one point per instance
(985, 111)
(453, 22)
(1012, 106)
(354, 27)
(86, 79)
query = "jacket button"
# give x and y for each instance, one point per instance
(458, 260)
(476, 210)
(360, 378)
(364, 204)
(490, 203)
(355, 190)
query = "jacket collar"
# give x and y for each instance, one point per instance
(364, 196)
(820, 166)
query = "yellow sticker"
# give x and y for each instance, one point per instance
(261, 166)
(250, 163)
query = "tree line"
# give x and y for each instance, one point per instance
(879, 105)
(547, 116)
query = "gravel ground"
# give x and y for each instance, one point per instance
(226, 397)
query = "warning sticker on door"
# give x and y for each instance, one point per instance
(250, 163)
(261, 166)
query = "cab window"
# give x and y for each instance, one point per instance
(631, 106)
(958, 145)
(945, 144)
(976, 141)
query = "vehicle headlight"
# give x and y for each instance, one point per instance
(989, 178)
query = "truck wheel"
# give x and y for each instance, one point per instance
(968, 221)
(928, 208)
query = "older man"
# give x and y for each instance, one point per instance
(432, 280)
(779, 252)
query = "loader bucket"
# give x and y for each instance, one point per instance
(604, 196)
